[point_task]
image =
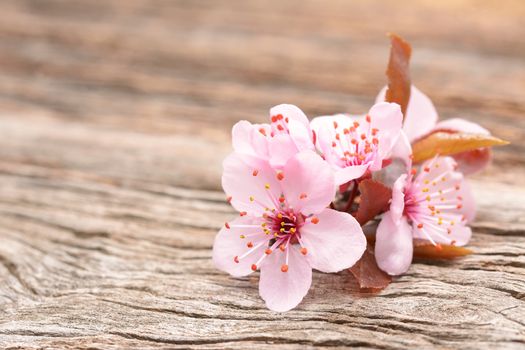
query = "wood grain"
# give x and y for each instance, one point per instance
(114, 120)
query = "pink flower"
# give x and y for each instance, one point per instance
(288, 133)
(353, 145)
(421, 119)
(284, 228)
(435, 206)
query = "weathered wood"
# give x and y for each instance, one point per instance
(115, 117)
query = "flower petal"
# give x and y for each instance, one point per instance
(471, 162)
(460, 125)
(335, 243)
(421, 115)
(283, 291)
(461, 235)
(325, 131)
(344, 175)
(388, 119)
(245, 178)
(402, 149)
(247, 139)
(308, 183)
(397, 206)
(469, 204)
(301, 135)
(228, 245)
(281, 148)
(291, 112)
(394, 248)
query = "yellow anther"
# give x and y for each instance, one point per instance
(280, 216)
(252, 199)
(243, 236)
(267, 186)
(425, 189)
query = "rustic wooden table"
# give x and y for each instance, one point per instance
(115, 117)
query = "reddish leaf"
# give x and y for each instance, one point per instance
(445, 143)
(424, 249)
(369, 276)
(398, 72)
(374, 199)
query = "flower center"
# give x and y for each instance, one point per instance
(278, 230)
(284, 225)
(433, 202)
(355, 145)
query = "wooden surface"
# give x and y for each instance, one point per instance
(115, 117)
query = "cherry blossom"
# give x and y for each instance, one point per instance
(288, 133)
(421, 119)
(434, 205)
(354, 145)
(285, 228)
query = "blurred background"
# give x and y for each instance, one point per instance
(115, 117)
(148, 90)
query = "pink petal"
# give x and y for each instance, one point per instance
(247, 139)
(387, 118)
(474, 161)
(469, 204)
(344, 175)
(301, 135)
(402, 149)
(308, 183)
(281, 148)
(439, 218)
(397, 206)
(245, 178)
(283, 291)
(325, 131)
(335, 243)
(228, 245)
(393, 249)
(292, 113)
(461, 235)
(460, 125)
(421, 115)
